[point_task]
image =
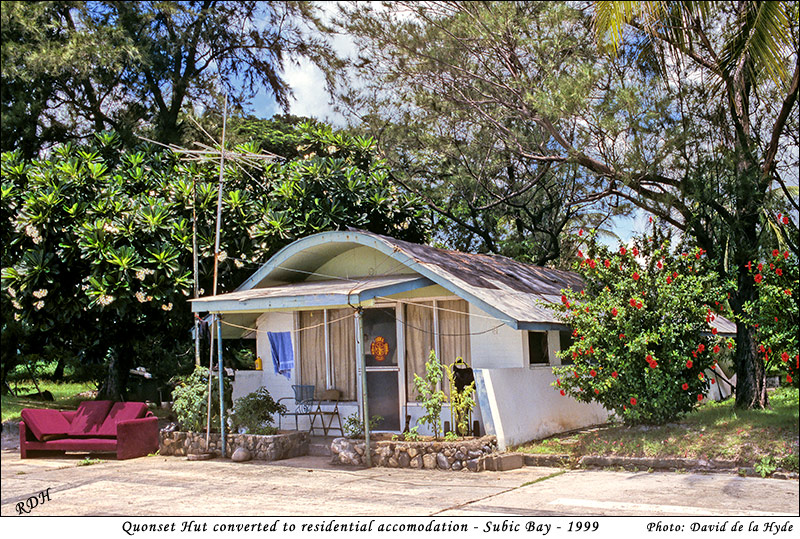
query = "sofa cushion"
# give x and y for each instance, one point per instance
(89, 418)
(45, 422)
(121, 411)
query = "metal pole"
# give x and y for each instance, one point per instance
(210, 378)
(219, 193)
(221, 385)
(196, 271)
(362, 365)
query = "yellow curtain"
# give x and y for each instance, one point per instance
(453, 333)
(312, 350)
(342, 333)
(419, 342)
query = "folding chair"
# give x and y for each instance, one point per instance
(331, 396)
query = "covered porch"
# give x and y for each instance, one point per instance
(402, 317)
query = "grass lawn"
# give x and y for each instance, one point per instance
(67, 397)
(714, 431)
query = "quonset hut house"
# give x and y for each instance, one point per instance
(301, 306)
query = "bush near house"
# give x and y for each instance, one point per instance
(775, 315)
(254, 413)
(190, 400)
(643, 343)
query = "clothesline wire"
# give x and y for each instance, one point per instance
(405, 324)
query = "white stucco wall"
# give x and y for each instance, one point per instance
(517, 400)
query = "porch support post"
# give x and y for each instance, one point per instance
(362, 365)
(221, 385)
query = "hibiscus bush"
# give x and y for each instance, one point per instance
(775, 314)
(644, 341)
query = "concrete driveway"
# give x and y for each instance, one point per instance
(173, 486)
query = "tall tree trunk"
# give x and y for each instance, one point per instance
(751, 381)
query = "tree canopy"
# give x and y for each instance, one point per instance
(71, 69)
(671, 127)
(97, 260)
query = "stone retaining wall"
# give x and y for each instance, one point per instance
(276, 447)
(466, 454)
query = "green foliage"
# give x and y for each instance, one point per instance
(72, 68)
(775, 313)
(190, 400)
(253, 413)
(461, 402)
(96, 260)
(430, 396)
(765, 466)
(642, 344)
(411, 435)
(353, 427)
(450, 436)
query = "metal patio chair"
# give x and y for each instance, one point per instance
(303, 404)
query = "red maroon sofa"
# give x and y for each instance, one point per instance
(125, 428)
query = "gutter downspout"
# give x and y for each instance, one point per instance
(362, 365)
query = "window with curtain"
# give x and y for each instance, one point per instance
(419, 342)
(453, 335)
(311, 341)
(342, 336)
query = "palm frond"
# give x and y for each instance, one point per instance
(762, 39)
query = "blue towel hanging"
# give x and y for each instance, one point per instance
(282, 356)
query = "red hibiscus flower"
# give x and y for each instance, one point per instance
(633, 401)
(786, 254)
(632, 302)
(697, 256)
(689, 364)
(785, 220)
(787, 292)
(788, 379)
(597, 391)
(685, 386)
(779, 272)
(699, 398)
(760, 267)
(713, 331)
(622, 251)
(607, 263)
(563, 392)
(592, 373)
(575, 373)
(758, 277)
(669, 279)
(563, 299)
(558, 381)
(614, 374)
(614, 311)
(784, 357)
(635, 276)
(713, 380)
(580, 253)
(639, 304)
(749, 266)
(701, 347)
(592, 264)
(660, 264)
(621, 336)
(674, 274)
(580, 232)
(635, 251)
(776, 253)
(716, 349)
(730, 345)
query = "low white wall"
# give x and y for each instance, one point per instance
(524, 406)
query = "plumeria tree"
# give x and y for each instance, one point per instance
(97, 239)
(644, 344)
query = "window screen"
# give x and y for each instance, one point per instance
(566, 340)
(537, 348)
